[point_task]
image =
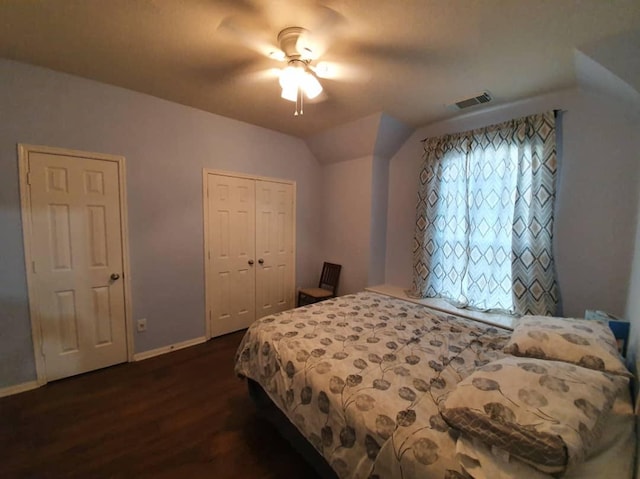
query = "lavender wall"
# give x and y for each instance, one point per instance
(346, 220)
(166, 146)
(378, 235)
(632, 312)
(596, 203)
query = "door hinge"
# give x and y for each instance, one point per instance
(33, 267)
(28, 172)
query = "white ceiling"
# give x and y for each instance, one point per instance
(412, 56)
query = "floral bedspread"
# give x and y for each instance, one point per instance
(361, 377)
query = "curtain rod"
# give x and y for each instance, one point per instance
(556, 112)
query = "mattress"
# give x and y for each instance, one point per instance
(362, 377)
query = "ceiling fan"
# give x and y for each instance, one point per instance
(300, 49)
(254, 23)
(298, 79)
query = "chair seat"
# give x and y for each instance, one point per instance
(316, 292)
(327, 286)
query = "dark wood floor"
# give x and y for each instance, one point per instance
(183, 414)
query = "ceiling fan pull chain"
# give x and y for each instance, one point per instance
(299, 103)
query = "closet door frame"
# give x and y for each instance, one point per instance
(205, 207)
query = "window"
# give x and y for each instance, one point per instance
(484, 219)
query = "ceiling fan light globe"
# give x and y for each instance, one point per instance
(311, 86)
(290, 77)
(290, 94)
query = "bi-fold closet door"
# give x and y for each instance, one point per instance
(249, 249)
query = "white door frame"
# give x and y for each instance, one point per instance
(25, 205)
(205, 208)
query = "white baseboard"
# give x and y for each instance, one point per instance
(168, 349)
(18, 388)
(29, 385)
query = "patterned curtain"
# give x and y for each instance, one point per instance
(484, 220)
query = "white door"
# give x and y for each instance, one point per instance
(77, 252)
(231, 251)
(249, 250)
(274, 247)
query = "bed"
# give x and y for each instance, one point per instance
(377, 387)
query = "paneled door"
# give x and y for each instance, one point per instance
(274, 247)
(76, 248)
(231, 252)
(249, 249)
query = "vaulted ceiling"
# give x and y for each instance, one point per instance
(408, 58)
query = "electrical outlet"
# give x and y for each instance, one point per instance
(142, 325)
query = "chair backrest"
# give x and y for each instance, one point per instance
(329, 277)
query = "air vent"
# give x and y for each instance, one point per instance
(483, 97)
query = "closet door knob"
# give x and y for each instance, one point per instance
(115, 276)
(261, 261)
(250, 262)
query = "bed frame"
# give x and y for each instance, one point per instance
(269, 411)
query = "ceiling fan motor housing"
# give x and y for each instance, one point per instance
(288, 40)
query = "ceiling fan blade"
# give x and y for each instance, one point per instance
(393, 53)
(341, 71)
(230, 71)
(310, 46)
(243, 6)
(266, 74)
(307, 48)
(232, 29)
(314, 42)
(328, 21)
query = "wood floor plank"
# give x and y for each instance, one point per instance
(184, 414)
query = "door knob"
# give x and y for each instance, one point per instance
(115, 276)
(261, 261)
(250, 262)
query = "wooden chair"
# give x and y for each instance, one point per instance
(327, 286)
